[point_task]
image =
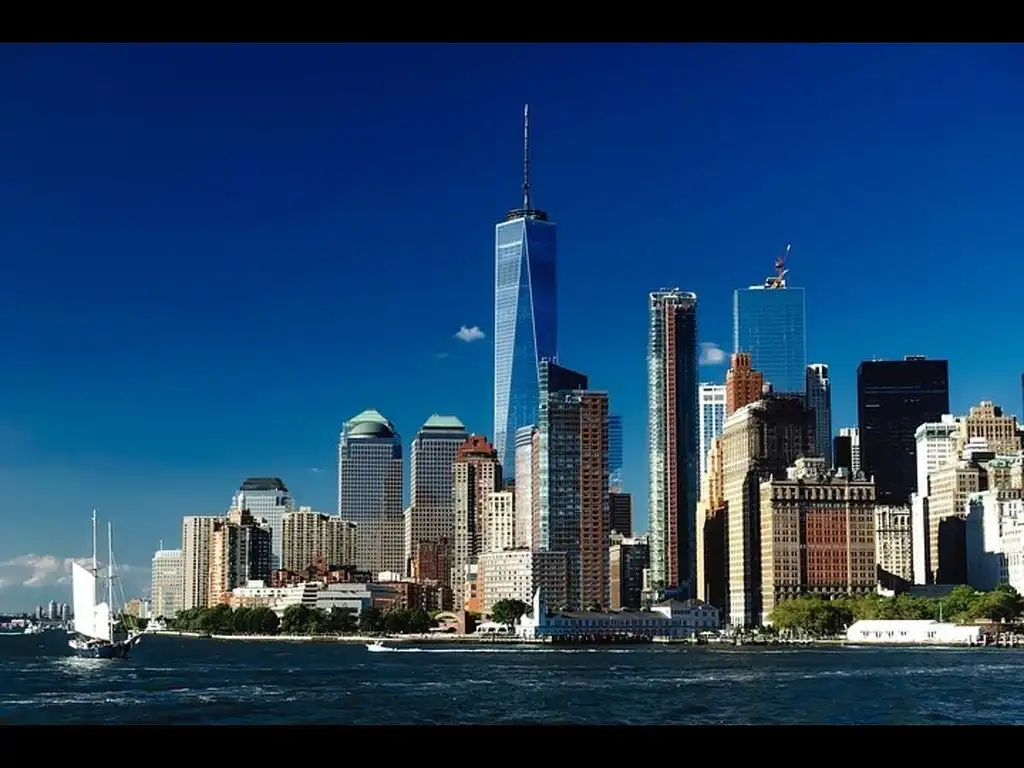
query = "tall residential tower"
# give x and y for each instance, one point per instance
(672, 440)
(525, 313)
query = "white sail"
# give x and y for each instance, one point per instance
(83, 588)
(101, 628)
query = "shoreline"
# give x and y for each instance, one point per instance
(483, 641)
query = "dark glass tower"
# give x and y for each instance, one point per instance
(525, 313)
(894, 398)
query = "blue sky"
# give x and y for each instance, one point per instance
(213, 256)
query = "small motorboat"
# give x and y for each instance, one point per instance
(378, 646)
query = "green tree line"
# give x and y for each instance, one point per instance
(300, 620)
(818, 617)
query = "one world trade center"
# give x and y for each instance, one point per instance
(525, 313)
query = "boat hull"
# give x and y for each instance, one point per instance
(119, 650)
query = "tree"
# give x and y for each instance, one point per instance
(508, 611)
(813, 615)
(264, 621)
(296, 620)
(420, 621)
(342, 621)
(370, 620)
(396, 621)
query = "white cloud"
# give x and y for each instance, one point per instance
(469, 333)
(442, 355)
(48, 570)
(315, 470)
(712, 354)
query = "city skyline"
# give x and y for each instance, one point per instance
(67, 437)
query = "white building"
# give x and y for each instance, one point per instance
(668, 620)
(196, 538)
(994, 539)
(912, 632)
(168, 588)
(711, 407)
(355, 597)
(517, 574)
(256, 594)
(499, 522)
(935, 446)
(525, 481)
(819, 397)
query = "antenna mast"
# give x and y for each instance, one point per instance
(110, 570)
(526, 157)
(779, 281)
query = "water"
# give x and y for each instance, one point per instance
(182, 681)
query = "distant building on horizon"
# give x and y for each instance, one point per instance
(370, 491)
(846, 449)
(268, 498)
(525, 314)
(769, 323)
(673, 463)
(167, 589)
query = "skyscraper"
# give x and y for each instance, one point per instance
(711, 398)
(894, 398)
(614, 453)
(525, 313)
(168, 589)
(819, 398)
(476, 474)
(673, 463)
(574, 503)
(431, 514)
(267, 498)
(370, 491)
(768, 322)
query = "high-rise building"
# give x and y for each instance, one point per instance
(525, 313)
(673, 463)
(846, 449)
(760, 441)
(614, 453)
(628, 559)
(817, 535)
(895, 397)
(370, 491)
(986, 421)
(431, 513)
(310, 537)
(769, 323)
(477, 474)
(894, 547)
(196, 540)
(620, 506)
(743, 385)
(240, 548)
(819, 399)
(711, 538)
(267, 498)
(574, 507)
(527, 486)
(711, 398)
(167, 591)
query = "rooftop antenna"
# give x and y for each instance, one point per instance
(780, 268)
(526, 157)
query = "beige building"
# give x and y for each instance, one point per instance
(527, 488)
(196, 536)
(986, 421)
(168, 589)
(1005, 472)
(477, 474)
(894, 546)
(516, 574)
(240, 552)
(817, 535)
(308, 536)
(499, 522)
(945, 509)
(711, 556)
(760, 440)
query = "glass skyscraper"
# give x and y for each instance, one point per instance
(614, 452)
(525, 316)
(673, 463)
(768, 322)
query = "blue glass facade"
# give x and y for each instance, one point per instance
(769, 323)
(525, 317)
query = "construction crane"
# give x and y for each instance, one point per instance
(779, 281)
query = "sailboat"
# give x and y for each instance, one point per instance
(94, 624)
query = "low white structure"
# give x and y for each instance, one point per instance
(912, 632)
(669, 619)
(256, 594)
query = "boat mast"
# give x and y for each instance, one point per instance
(110, 572)
(95, 566)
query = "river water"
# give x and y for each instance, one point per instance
(173, 680)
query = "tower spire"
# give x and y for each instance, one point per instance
(526, 157)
